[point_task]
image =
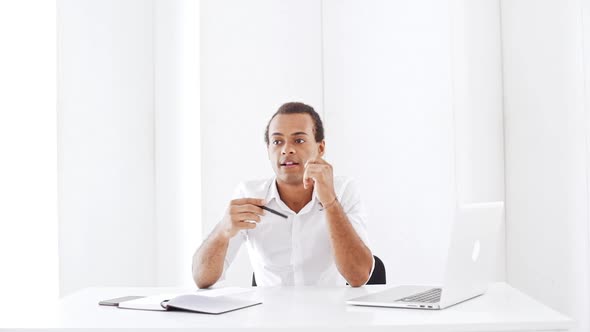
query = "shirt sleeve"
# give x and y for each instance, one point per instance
(350, 199)
(235, 243)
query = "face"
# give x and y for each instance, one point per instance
(291, 144)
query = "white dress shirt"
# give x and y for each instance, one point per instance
(296, 250)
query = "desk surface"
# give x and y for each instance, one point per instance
(502, 308)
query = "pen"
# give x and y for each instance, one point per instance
(273, 211)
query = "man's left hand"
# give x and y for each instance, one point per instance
(319, 174)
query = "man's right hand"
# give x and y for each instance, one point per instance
(240, 214)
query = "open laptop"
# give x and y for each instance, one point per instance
(469, 259)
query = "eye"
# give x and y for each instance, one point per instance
(300, 140)
(276, 142)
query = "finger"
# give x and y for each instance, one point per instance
(316, 161)
(306, 180)
(315, 170)
(310, 162)
(245, 225)
(308, 183)
(247, 208)
(248, 200)
(246, 216)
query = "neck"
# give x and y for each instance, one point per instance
(295, 196)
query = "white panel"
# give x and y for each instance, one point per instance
(389, 123)
(546, 154)
(106, 150)
(477, 101)
(177, 139)
(255, 56)
(586, 61)
(28, 161)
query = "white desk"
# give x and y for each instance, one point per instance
(502, 308)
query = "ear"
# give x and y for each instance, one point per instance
(322, 148)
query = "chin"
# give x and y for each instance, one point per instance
(290, 179)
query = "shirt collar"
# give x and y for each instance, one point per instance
(273, 193)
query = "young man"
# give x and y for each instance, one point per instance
(323, 240)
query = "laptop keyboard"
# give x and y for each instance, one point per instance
(429, 296)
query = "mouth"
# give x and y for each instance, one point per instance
(289, 164)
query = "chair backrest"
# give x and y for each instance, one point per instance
(377, 278)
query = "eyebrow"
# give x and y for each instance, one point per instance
(293, 134)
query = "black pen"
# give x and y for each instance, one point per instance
(273, 211)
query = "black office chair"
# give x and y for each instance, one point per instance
(377, 278)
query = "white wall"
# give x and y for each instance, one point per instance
(255, 55)
(545, 51)
(128, 142)
(389, 123)
(28, 162)
(106, 152)
(395, 100)
(478, 112)
(426, 97)
(427, 83)
(177, 139)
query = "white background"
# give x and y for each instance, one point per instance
(546, 95)
(28, 152)
(129, 144)
(161, 108)
(402, 87)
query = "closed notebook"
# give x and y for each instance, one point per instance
(215, 301)
(207, 305)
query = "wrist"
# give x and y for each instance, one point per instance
(330, 203)
(224, 233)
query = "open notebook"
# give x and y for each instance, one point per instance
(214, 301)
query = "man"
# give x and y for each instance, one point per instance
(322, 240)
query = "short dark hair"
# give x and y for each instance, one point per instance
(298, 108)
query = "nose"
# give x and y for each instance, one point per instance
(287, 149)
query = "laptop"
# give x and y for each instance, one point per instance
(469, 259)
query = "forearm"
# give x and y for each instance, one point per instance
(353, 259)
(209, 258)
